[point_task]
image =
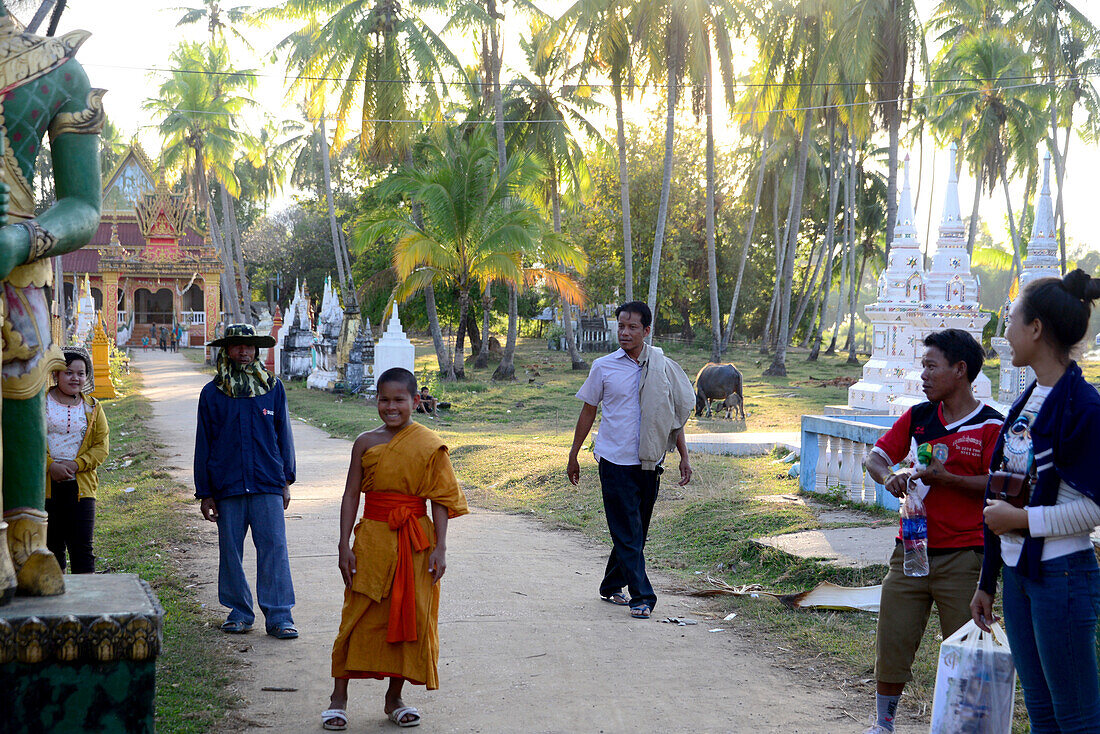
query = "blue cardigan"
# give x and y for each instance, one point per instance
(1066, 445)
(243, 445)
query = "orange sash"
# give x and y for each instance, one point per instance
(401, 512)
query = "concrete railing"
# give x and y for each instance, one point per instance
(832, 456)
(194, 317)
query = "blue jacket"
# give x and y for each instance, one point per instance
(243, 445)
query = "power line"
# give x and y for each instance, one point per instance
(1035, 78)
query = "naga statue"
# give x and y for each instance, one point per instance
(42, 89)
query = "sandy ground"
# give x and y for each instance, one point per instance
(526, 644)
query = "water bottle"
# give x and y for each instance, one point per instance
(914, 523)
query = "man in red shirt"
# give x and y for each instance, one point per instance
(968, 429)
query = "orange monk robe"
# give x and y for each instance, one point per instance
(414, 462)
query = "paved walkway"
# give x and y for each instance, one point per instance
(526, 644)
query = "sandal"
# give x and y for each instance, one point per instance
(641, 612)
(284, 632)
(329, 717)
(617, 599)
(235, 627)
(398, 715)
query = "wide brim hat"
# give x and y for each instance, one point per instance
(243, 334)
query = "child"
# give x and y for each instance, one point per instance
(77, 441)
(389, 624)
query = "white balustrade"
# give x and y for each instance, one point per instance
(833, 450)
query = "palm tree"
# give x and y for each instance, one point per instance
(1062, 39)
(476, 224)
(544, 109)
(200, 103)
(981, 101)
(217, 18)
(385, 54)
(605, 27)
(882, 42)
(112, 147)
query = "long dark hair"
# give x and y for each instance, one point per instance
(1063, 306)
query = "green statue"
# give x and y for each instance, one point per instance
(42, 89)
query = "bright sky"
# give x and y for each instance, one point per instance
(132, 39)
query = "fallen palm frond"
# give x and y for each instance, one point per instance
(825, 595)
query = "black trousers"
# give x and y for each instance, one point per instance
(629, 494)
(70, 525)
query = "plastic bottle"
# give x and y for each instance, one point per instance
(914, 523)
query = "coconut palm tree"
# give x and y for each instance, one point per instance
(544, 109)
(218, 19)
(604, 26)
(477, 226)
(200, 104)
(389, 61)
(981, 101)
(881, 42)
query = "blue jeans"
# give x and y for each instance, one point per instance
(629, 494)
(1051, 625)
(263, 513)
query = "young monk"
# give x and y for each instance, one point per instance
(389, 624)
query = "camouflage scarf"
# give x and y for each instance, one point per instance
(235, 381)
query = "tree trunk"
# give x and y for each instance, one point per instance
(233, 237)
(463, 315)
(506, 370)
(745, 248)
(333, 226)
(442, 357)
(570, 337)
(712, 255)
(778, 367)
(498, 101)
(1016, 258)
(972, 230)
(575, 358)
(624, 184)
(229, 276)
(809, 284)
(852, 357)
(666, 189)
(482, 359)
(780, 250)
(894, 123)
(814, 334)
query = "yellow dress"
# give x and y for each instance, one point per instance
(414, 462)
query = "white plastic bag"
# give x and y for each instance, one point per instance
(975, 683)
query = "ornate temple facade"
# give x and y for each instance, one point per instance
(148, 265)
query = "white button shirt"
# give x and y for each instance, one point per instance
(614, 380)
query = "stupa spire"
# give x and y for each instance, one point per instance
(952, 215)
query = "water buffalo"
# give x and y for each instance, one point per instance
(719, 382)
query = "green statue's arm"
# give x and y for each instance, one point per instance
(74, 218)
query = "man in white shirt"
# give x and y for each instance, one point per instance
(634, 383)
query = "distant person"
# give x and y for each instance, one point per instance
(163, 339)
(145, 344)
(427, 403)
(244, 466)
(954, 418)
(389, 625)
(646, 400)
(174, 335)
(77, 442)
(1051, 580)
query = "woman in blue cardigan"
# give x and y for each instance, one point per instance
(1051, 580)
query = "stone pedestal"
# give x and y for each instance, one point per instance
(84, 661)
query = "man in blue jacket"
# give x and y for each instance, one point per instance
(244, 466)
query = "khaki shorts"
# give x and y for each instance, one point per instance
(907, 603)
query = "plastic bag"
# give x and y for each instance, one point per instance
(975, 683)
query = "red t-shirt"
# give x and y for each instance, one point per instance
(954, 514)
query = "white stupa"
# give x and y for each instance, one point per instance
(329, 321)
(394, 348)
(951, 291)
(900, 293)
(1041, 262)
(84, 313)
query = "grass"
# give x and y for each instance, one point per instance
(139, 530)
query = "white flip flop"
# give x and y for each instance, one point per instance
(329, 715)
(398, 714)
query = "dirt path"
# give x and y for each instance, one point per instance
(526, 644)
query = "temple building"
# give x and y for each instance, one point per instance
(148, 265)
